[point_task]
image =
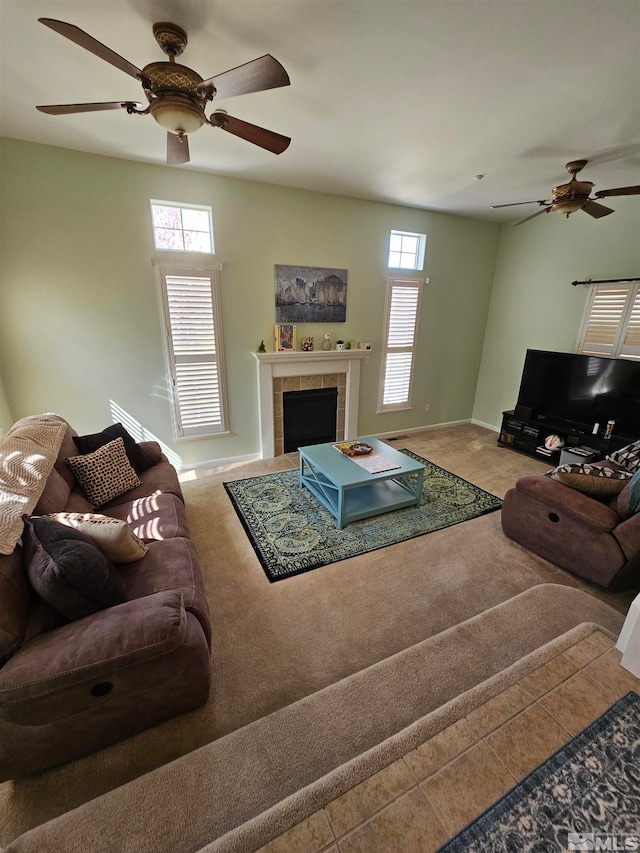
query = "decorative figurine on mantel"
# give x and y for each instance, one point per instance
(262, 347)
(307, 344)
(339, 344)
(327, 341)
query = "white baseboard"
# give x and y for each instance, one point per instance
(419, 429)
(220, 463)
(254, 457)
(492, 427)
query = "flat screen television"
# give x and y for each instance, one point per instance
(582, 390)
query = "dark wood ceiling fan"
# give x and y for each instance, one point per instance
(177, 95)
(568, 198)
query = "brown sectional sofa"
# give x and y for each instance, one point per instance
(69, 688)
(597, 539)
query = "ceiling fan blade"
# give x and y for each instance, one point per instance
(86, 41)
(268, 139)
(596, 210)
(66, 109)
(177, 149)
(255, 76)
(533, 216)
(618, 191)
(515, 203)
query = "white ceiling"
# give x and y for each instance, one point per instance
(394, 100)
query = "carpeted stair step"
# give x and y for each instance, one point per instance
(396, 703)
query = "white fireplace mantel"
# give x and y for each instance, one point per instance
(276, 364)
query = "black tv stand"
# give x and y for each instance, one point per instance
(528, 434)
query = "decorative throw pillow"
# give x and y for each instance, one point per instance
(105, 474)
(627, 457)
(114, 537)
(633, 496)
(68, 571)
(591, 479)
(139, 458)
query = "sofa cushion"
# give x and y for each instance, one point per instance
(68, 571)
(104, 474)
(628, 457)
(14, 603)
(77, 502)
(55, 495)
(67, 449)
(114, 537)
(161, 479)
(170, 564)
(138, 456)
(592, 480)
(154, 518)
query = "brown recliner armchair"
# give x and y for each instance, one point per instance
(593, 538)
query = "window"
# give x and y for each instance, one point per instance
(190, 306)
(611, 324)
(181, 227)
(406, 250)
(398, 344)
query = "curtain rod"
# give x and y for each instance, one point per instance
(604, 281)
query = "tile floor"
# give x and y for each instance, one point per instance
(428, 795)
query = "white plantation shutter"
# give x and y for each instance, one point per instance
(398, 343)
(631, 342)
(611, 324)
(191, 313)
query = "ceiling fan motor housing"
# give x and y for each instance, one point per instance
(567, 198)
(174, 99)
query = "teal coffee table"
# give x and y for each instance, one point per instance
(350, 492)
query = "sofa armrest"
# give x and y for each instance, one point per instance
(153, 449)
(91, 651)
(582, 508)
(628, 535)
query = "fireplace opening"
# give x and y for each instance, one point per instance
(309, 417)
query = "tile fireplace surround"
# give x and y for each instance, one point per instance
(276, 365)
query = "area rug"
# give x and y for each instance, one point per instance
(586, 796)
(291, 532)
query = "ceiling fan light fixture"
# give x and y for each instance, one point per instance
(568, 206)
(177, 113)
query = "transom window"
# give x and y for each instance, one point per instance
(406, 250)
(181, 227)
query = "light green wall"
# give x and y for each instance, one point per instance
(80, 324)
(5, 413)
(533, 304)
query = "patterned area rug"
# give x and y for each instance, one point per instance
(291, 532)
(586, 796)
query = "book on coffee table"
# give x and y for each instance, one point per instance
(373, 462)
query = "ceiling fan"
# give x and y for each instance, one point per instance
(567, 198)
(177, 95)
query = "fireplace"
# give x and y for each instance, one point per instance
(279, 372)
(309, 417)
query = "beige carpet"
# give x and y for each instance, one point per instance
(276, 643)
(307, 753)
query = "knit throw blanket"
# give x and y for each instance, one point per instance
(27, 454)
